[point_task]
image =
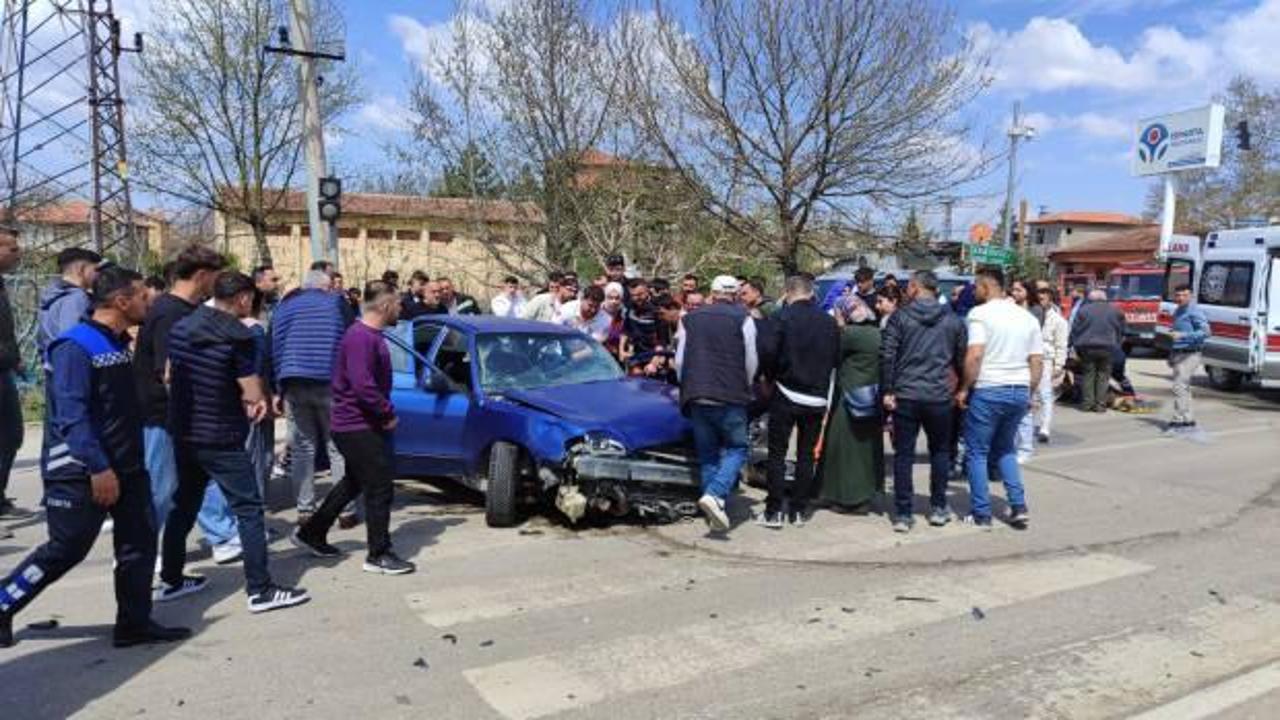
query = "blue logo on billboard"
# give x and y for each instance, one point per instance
(1154, 143)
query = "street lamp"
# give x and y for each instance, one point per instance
(1018, 131)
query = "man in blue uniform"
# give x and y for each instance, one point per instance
(92, 465)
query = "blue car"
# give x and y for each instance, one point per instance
(524, 410)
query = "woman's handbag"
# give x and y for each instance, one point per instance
(862, 402)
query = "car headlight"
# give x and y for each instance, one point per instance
(599, 443)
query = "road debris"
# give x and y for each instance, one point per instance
(1217, 596)
(978, 614)
(915, 598)
(453, 639)
(43, 625)
(421, 663)
(486, 643)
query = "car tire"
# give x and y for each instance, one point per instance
(1223, 379)
(502, 494)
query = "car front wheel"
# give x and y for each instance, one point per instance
(1223, 379)
(502, 495)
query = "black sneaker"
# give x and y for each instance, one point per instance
(318, 548)
(797, 518)
(151, 634)
(190, 585)
(10, 511)
(6, 630)
(1019, 518)
(771, 520)
(275, 597)
(388, 563)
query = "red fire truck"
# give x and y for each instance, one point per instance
(1136, 288)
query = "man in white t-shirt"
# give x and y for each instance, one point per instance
(1002, 369)
(584, 315)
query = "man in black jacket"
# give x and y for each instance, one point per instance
(1096, 335)
(921, 356)
(802, 352)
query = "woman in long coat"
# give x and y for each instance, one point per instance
(853, 449)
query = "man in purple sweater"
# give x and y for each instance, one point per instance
(362, 419)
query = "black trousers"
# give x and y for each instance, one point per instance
(74, 522)
(936, 419)
(1096, 365)
(784, 416)
(368, 470)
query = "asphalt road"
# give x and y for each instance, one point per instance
(1147, 587)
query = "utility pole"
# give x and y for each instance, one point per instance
(324, 242)
(948, 203)
(1017, 131)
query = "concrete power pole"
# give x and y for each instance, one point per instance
(324, 240)
(1017, 131)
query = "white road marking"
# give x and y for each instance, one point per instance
(1213, 700)
(534, 687)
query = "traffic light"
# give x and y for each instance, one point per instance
(330, 199)
(1243, 140)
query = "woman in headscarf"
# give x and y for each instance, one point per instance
(853, 441)
(614, 309)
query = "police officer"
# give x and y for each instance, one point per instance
(92, 465)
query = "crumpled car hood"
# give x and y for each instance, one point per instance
(641, 413)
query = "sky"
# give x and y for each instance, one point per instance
(1085, 72)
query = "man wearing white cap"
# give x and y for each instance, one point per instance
(716, 362)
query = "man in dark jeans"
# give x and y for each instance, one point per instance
(1096, 335)
(362, 421)
(801, 352)
(10, 367)
(214, 393)
(715, 361)
(921, 356)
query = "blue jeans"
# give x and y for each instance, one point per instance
(215, 518)
(720, 437)
(991, 426)
(230, 469)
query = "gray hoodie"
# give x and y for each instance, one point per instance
(62, 307)
(923, 342)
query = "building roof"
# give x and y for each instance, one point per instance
(1088, 218)
(1124, 246)
(75, 212)
(416, 206)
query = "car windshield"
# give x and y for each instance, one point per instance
(1135, 287)
(527, 361)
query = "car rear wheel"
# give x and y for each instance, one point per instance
(1223, 379)
(502, 495)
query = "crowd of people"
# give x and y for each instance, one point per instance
(161, 395)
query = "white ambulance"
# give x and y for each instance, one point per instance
(1235, 278)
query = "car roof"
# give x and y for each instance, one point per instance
(474, 324)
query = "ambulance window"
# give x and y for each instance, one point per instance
(1177, 273)
(1228, 284)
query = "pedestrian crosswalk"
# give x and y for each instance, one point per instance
(582, 675)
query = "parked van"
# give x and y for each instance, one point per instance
(1235, 278)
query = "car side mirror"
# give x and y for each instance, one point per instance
(434, 381)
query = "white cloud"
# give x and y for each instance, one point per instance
(1090, 124)
(385, 113)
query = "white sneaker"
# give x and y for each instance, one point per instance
(108, 525)
(713, 508)
(228, 552)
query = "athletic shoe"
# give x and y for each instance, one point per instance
(982, 523)
(771, 520)
(939, 517)
(318, 548)
(1019, 518)
(190, 585)
(388, 563)
(151, 634)
(902, 524)
(713, 509)
(6, 630)
(797, 518)
(275, 598)
(227, 552)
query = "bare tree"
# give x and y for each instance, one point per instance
(219, 121)
(809, 108)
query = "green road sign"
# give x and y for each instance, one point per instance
(990, 255)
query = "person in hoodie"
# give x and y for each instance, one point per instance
(215, 394)
(801, 352)
(65, 301)
(921, 359)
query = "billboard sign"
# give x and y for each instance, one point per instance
(1179, 141)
